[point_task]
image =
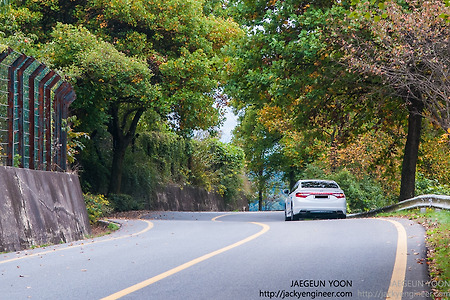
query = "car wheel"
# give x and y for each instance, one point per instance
(286, 218)
(293, 216)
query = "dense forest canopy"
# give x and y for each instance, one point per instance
(355, 91)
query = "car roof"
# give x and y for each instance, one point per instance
(318, 180)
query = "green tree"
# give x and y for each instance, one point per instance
(112, 89)
(127, 57)
(182, 46)
(286, 69)
(405, 44)
(260, 148)
(218, 166)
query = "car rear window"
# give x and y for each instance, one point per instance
(319, 185)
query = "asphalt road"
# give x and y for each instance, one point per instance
(175, 255)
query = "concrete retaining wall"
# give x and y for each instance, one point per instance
(38, 207)
(190, 198)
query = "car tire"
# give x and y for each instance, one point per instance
(286, 218)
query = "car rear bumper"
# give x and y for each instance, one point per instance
(315, 213)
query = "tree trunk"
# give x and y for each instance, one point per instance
(122, 138)
(333, 151)
(411, 152)
(292, 179)
(260, 199)
(261, 185)
(115, 182)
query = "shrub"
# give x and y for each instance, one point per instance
(168, 154)
(123, 202)
(430, 186)
(139, 180)
(97, 207)
(219, 166)
(363, 194)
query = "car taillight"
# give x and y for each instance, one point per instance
(302, 195)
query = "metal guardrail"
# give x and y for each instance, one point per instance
(435, 201)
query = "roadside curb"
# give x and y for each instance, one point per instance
(107, 222)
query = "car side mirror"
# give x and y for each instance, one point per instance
(286, 192)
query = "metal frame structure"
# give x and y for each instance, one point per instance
(34, 101)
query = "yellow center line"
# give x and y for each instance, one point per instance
(215, 218)
(147, 228)
(184, 266)
(398, 274)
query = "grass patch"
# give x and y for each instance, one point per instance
(40, 246)
(99, 229)
(437, 224)
(113, 226)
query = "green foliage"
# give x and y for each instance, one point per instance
(299, 108)
(181, 45)
(190, 80)
(218, 166)
(231, 171)
(426, 186)
(261, 150)
(144, 171)
(97, 207)
(113, 226)
(13, 24)
(363, 194)
(95, 161)
(75, 139)
(16, 160)
(439, 239)
(286, 81)
(158, 158)
(123, 202)
(102, 75)
(313, 171)
(112, 88)
(168, 153)
(140, 178)
(126, 58)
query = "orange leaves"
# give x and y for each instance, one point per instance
(137, 79)
(405, 48)
(273, 118)
(308, 89)
(314, 74)
(271, 3)
(434, 161)
(374, 151)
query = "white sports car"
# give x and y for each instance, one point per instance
(315, 198)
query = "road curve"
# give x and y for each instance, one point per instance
(173, 255)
